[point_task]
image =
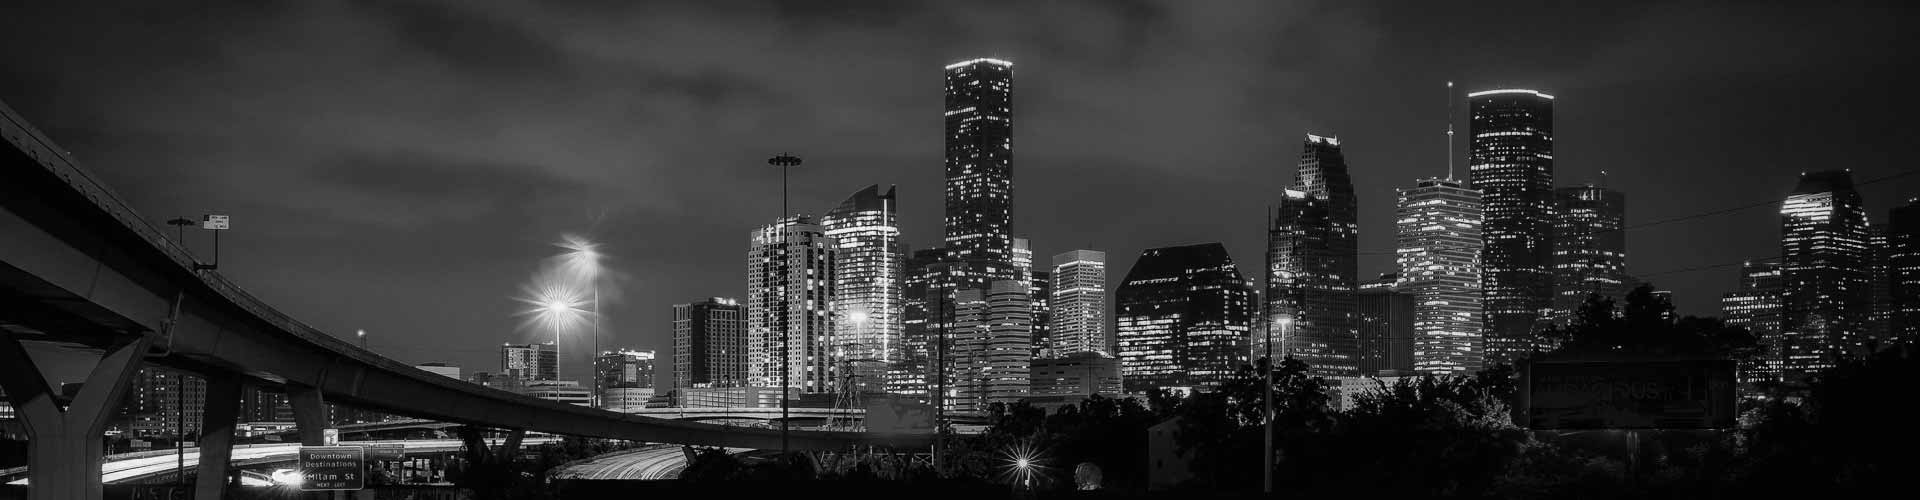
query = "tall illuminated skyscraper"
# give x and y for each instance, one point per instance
(709, 344)
(1183, 316)
(1079, 304)
(1903, 271)
(1511, 163)
(992, 345)
(1825, 263)
(1757, 306)
(1386, 326)
(1589, 248)
(1438, 250)
(979, 165)
(1042, 296)
(790, 285)
(866, 300)
(1313, 250)
(932, 278)
(1305, 298)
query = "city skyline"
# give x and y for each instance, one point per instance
(336, 293)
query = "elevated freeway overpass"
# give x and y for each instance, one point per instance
(79, 267)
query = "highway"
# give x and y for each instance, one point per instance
(657, 462)
(115, 471)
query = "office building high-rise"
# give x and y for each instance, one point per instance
(1437, 247)
(866, 301)
(1183, 316)
(1308, 301)
(1080, 374)
(979, 166)
(530, 361)
(1023, 259)
(1078, 322)
(1825, 264)
(1879, 328)
(932, 278)
(624, 368)
(1042, 297)
(1511, 163)
(1589, 248)
(164, 402)
(992, 345)
(710, 344)
(1757, 306)
(1386, 328)
(790, 290)
(1903, 271)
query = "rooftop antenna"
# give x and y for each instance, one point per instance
(1449, 130)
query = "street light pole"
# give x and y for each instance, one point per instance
(786, 162)
(1266, 472)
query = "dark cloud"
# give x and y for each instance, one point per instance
(404, 166)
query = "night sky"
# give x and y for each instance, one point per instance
(404, 167)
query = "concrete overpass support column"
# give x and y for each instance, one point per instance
(222, 410)
(476, 443)
(309, 414)
(65, 450)
(512, 446)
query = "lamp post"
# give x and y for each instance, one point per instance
(1267, 458)
(786, 162)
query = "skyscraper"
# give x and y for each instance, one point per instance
(1511, 163)
(992, 345)
(1757, 306)
(1386, 328)
(530, 361)
(1312, 253)
(1023, 258)
(1304, 297)
(932, 277)
(866, 300)
(1824, 261)
(1903, 271)
(1183, 316)
(790, 280)
(164, 402)
(1042, 296)
(1437, 247)
(979, 169)
(1589, 248)
(709, 344)
(1078, 322)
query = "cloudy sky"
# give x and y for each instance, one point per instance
(403, 167)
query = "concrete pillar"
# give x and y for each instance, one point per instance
(512, 447)
(309, 414)
(216, 436)
(65, 451)
(476, 452)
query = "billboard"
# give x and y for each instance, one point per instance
(1666, 394)
(898, 415)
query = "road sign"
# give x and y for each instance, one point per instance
(1627, 394)
(333, 468)
(330, 437)
(385, 451)
(214, 222)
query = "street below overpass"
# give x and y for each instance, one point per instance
(147, 465)
(655, 462)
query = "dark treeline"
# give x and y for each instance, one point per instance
(1450, 437)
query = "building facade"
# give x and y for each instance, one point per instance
(1386, 329)
(1183, 316)
(1078, 322)
(710, 344)
(1511, 164)
(979, 165)
(1589, 248)
(1903, 271)
(867, 289)
(1825, 263)
(992, 345)
(1437, 247)
(530, 361)
(1079, 374)
(1041, 292)
(1308, 300)
(790, 290)
(623, 369)
(1757, 305)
